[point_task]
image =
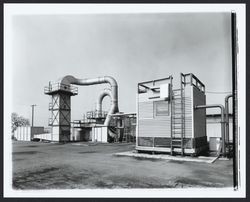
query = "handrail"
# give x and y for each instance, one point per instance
(143, 84)
(197, 83)
(59, 86)
(155, 80)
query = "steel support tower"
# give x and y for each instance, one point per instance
(60, 107)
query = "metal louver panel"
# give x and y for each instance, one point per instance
(146, 110)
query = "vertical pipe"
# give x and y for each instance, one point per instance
(223, 131)
(171, 113)
(227, 117)
(235, 95)
(182, 117)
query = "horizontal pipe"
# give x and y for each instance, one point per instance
(222, 121)
(67, 80)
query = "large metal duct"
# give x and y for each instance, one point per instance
(104, 93)
(67, 80)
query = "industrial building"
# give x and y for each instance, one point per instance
(27, 133)
(122, 128)
(168, 119)
(97, 126)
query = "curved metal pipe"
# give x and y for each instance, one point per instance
(222, 121)
(227, 117)
(104, 93)
(67, 80)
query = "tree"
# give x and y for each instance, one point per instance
(18, 121)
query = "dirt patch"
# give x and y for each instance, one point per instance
(60, 177)
(27, 179)
(25, 153)
(132, 182)
(139, 158)
(146, 159)
(188, 182)
(177, 162)
(74, 167)
(31, 146)
(87, 152)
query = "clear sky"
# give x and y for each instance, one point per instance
(130, 47)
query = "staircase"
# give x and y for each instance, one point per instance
(177, 121)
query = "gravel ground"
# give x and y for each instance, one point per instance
(80, 165)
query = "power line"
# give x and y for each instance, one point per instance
(215, 92)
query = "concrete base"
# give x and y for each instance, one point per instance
(201, 159)
(192, 151)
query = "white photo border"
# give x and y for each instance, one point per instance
(56, 9)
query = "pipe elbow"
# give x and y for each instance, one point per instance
(227, 97)
(221, 107)
(67, 80)
(104, 93)
(111, 80)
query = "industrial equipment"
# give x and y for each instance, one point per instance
(166, 117)
(60, 106)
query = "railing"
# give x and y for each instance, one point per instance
(59, 86)
(50, 122)
(96, 114)
(82, 123)
(193, 80)
(152, 85)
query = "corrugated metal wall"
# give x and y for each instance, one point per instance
(199, 115)
(156, 130)
(55, 133)
(150, 125)
(37, 130)
(100, 134)
(25, 133)
(214, 127)
(188, 105)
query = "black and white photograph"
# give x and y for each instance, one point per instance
(124, 100)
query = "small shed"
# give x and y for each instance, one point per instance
(26, 133)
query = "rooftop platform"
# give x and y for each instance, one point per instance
(54, 88)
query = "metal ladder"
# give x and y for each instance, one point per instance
(125, 135)
(178, 119)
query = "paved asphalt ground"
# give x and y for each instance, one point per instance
(80, 165)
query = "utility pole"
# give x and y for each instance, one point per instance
(32, 123)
